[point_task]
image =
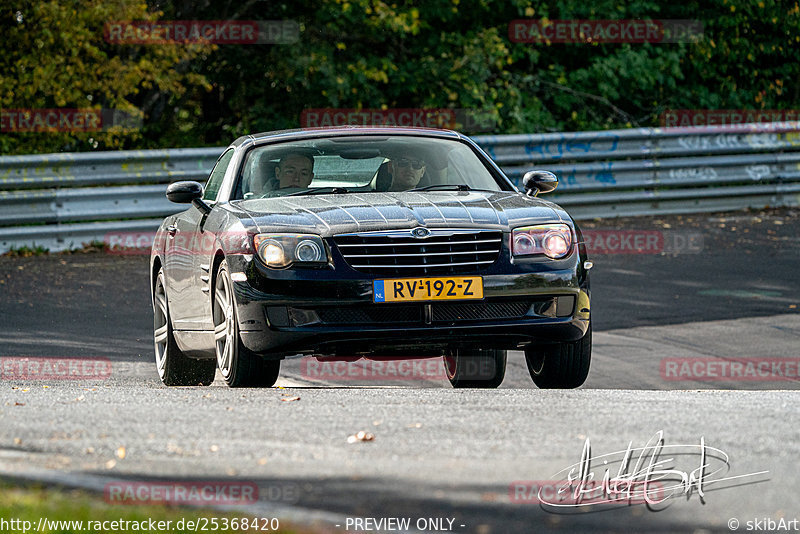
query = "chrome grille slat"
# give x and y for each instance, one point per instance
(398, 266)
(443, 252)
(430, 243)
(425, 254)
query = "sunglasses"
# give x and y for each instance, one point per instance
(413, 163)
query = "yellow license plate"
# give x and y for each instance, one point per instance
(414, 289)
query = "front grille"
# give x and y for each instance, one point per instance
(443, 252)
(476, 311)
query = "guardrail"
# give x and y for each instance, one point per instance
(60, 201)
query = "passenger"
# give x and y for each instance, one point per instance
(406, 171)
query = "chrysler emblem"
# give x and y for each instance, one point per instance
(420, 233)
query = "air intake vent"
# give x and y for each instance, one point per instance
(398, 253)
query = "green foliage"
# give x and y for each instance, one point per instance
(374, 54)
(53, 55)
(26, 251)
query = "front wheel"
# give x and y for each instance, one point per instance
(174, 367)
(475, 368)
(561, 365)
(239, 366)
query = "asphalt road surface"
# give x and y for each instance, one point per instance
(472, 457)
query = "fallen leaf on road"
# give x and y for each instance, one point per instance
(110, 464)
(121, 453)
(415, 425)
(262, 461)
(214, 448)
(361, 436)
(17, 441)
(19, 404)
(290, 399)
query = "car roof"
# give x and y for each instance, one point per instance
(340, 131)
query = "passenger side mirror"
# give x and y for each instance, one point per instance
(536, 182)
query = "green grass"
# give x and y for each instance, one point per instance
(31, 503)
(26, 251)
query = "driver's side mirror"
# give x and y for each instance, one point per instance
(187, 192)
(536, 182)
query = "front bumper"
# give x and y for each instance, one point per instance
(331, 311)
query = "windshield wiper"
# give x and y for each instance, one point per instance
(451, 187)
(320, 191)
(454, 187)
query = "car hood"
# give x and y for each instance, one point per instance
(363, 212)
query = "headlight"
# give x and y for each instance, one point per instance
(552, 240)
(282, 250)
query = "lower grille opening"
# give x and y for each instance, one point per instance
(414, 314)
(476, 311)
(376, 314)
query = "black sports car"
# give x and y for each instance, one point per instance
(367, 241)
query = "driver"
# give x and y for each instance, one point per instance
(406, 170)
(294, 170)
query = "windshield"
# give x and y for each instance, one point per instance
(361, 164)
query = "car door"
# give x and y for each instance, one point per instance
(187, 254)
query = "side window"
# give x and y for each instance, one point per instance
(217, 174)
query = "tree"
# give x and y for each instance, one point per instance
(54, 56)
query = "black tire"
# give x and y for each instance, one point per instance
(239, 366)
(173, 366)
(561, 365)
(475, 368)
